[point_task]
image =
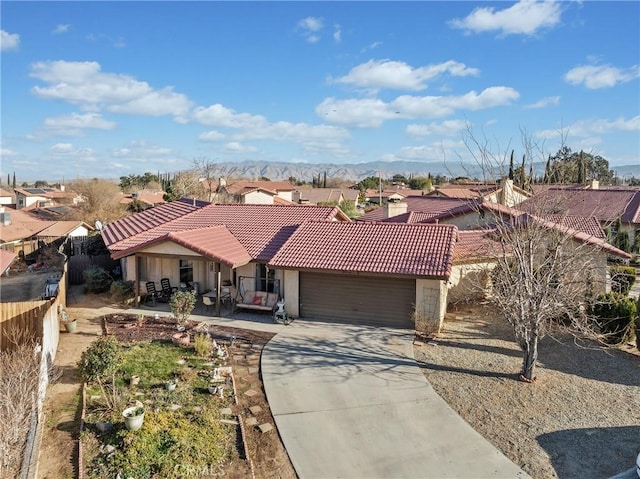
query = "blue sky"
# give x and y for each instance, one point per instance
(106, 89)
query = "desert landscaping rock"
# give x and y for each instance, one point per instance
(251, 421)
(255, 410)
(266, 427)
(250, 393)
(226, 411)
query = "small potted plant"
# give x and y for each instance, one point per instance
(69, 324)
(171, 384)
(133, 417)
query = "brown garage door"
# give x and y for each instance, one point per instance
(357, 299)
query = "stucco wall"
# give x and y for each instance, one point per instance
(258, 198)
(291, 292)
(431, 304)
(468, 282)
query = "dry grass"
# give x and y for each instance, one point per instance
(581, 418)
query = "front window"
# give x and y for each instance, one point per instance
(265, 278)
(186, 271)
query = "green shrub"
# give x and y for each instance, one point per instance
(97, 279)
(100, 360)
(182, 304)
(622, 278)
(203, 345)
(615, 314)
(121, 291)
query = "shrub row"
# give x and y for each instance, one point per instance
(622, 278)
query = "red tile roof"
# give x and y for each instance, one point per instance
(605, 205)
(419, 204)
(379, 248)
(6, 258)
(476, 245)
(589, 225)
(215, 242)
(261, 229)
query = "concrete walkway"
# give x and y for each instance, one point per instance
(350, 402)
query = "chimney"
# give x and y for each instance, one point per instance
(507, 197)
(595, 184)
(62, 187)
(393, 208)
(222, 182)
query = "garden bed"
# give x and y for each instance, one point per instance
(187, 431)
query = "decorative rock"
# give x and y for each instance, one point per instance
(231, 422)
(266, 427)
(108, 449)
(95, 398)
(226, 411)
(250, 393)
(196, 409)
(255, 410)
(175, 407)
(251, 421)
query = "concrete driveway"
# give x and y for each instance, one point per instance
(350, 402)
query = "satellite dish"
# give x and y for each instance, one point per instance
(98, 225)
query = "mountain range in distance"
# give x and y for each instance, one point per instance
(282, 171)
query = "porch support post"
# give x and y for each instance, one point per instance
(136, 275)
(218, 289)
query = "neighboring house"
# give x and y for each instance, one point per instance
(147, 198)
(606, 205)
(252, 192)
(381, 197)
(23, 233)
(413, 209)
(6, 258)
(505, 193)
(30, 198)
(323, 265)
(6, 197)
(314, 196)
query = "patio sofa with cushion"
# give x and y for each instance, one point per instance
(257, 300)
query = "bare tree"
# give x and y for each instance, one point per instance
(19, 376)
(101, 200)
(546, 274)
(206, 169)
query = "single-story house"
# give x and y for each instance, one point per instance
(322, 264)
(258, 192)
(505, 193)
(30, 198)
(6, 197)
(412, 209)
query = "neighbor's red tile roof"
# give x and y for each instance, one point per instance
(23, 225)
(379, 248)
(239, 187)
(261, 229)
(63, 228)
(6, 258)
(420, 204)
(605, 205)
(589, 225)
(476, 245)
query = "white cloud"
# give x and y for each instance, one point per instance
(337, 33)
(141, 150)
(62, 28)
(236, 147)
(544, 102)
(401, 76)
(373, 46)
(587, 128)
(445, 128)
(7, 152)
(221, 116)
(67, 150)
(9, 41)
(84, 84)
(372, 112)
(601, 76)
(310, 27)
(297, 132)
(74, 124)
(523, 18)
(212, 135)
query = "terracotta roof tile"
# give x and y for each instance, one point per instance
(261, 229)
(379, 248)
(431, 205)
(605, 205)
(589, 225)
(476, 245)
(6, 258)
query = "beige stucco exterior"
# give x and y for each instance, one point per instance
(431, 304)
(468, 282)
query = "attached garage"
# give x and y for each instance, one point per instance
(379, 301)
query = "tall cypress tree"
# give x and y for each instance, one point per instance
(511, 167)
(14, 180)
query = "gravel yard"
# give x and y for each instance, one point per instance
(580, 419)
